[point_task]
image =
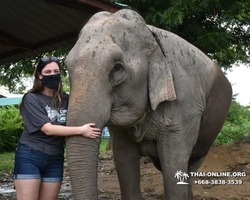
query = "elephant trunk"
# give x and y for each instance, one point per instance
(82, 153)
(82, 157)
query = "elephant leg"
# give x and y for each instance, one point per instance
(194, 165)
(157, 163)
(174, 154)
(127, 161)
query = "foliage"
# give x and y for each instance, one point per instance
(237, 125)
(220, 28)
(7, 162)
(238, 114)
(11, 127)
(13, 75)
(66, 84)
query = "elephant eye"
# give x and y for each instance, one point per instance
(117, 74)
(117, 67)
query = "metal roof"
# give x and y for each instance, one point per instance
(33, 27)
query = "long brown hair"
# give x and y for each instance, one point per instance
(38, 86)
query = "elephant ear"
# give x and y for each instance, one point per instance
(160, 78)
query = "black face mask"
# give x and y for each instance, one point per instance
(51, 81)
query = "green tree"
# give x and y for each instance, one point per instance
(11, 127)
(237, 125)
(66, 84)
(220, 28)
(238, 114)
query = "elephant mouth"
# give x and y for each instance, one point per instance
(127, 120)
(139, 120)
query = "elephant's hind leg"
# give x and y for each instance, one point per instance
(195, 163)
(157, 163)
(193, 166)
(174, 156)
(214, 116)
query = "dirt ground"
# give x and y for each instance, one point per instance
(233, 158)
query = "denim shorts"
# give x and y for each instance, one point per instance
(33, 164)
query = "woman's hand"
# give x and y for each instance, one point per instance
(89, 131)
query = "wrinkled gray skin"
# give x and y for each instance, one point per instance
(160, 96)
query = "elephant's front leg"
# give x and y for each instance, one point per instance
(127, 161)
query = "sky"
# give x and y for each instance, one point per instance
(239, 77)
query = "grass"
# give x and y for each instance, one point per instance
(7, 159)
(104, 143)
(7, 162)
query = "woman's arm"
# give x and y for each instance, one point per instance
(86, 130)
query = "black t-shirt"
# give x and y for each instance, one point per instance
(38, 110)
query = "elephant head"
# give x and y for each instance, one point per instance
(120, 71)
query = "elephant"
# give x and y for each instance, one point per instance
(159, 95)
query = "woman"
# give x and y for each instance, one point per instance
(38, 170)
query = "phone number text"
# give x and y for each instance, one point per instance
(218, 182)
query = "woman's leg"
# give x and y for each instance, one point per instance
(27, 178)
(27, 189)
(49, 190)
(52, 177)
(36, 174)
